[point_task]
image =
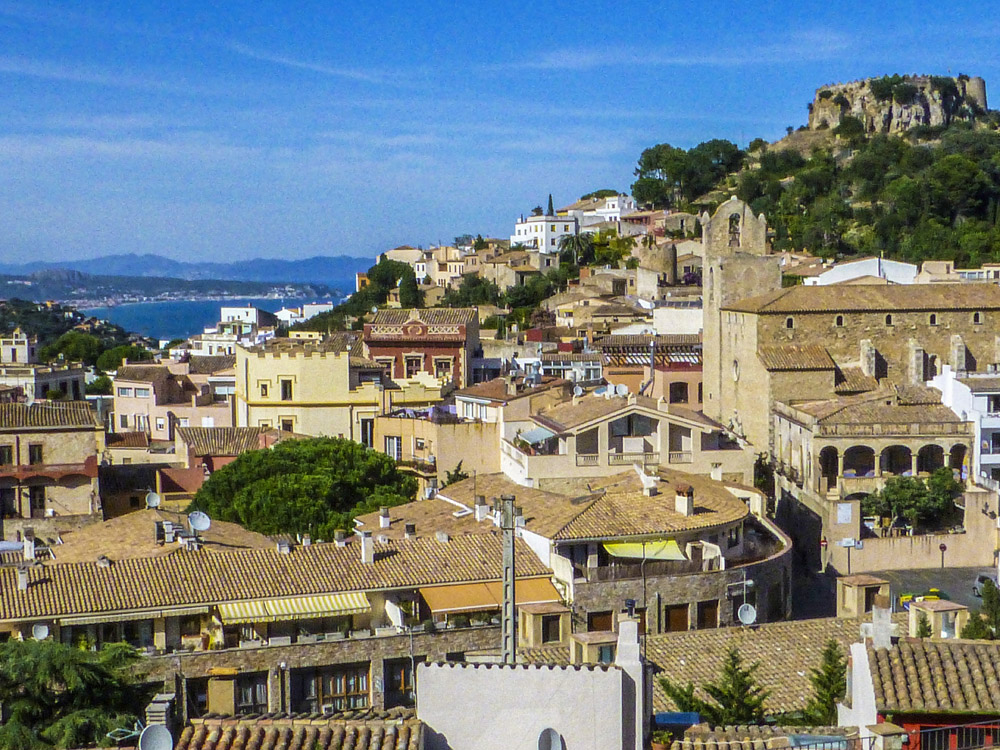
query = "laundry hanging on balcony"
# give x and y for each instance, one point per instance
(663, 549)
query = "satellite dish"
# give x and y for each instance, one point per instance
(199, 521)
(747, 614)
(39, 631)
(621, 389)
(152, 499)
(374, 309)
(577, 391)
(156, 737)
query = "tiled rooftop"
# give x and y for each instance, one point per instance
(431, 316)
(937, 676)
(221, 441)
(496, 389)
(50, 414)
(211, 364)
(868, 298)
(796, 357)
(142, 373)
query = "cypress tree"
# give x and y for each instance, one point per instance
(829, 682)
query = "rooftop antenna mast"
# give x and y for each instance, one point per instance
(508, 623)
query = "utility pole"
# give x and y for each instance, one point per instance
(508, 618)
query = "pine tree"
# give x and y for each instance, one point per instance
(829, 683)
(737, 696)
(923, 626)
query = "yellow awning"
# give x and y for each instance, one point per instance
(332, 605)
(238, 612)
(665, 549)
(472, 597)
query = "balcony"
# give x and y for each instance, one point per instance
(627, 459)
(588, 460)
(680, 457)
(55, 472)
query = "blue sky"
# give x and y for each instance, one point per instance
(223, 131)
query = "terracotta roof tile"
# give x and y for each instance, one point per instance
(937, 676)
(209, 365)
(431, 316)
(186, 578)
(854, 380)
(866, 298)
(127, 440)
(795, 357)
(51, 414)
(221, 441)
(142, 373)
(496, 389)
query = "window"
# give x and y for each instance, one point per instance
(36, 499)
(399, 684)
(932, 319)
(35, 453)
(190, 626)
(676, 617)
(142, 392)
(161, 423)
(598, 621)
(332, 689)
(287, 425)
(678, 393)
(734, 537)
(789, 322)
(442, 368)
(977, 318)
(6, 455)
(368, 432)
(839, 321)
(125, 392)
(251, 693)
(606, 654)
(286, 390)
(263, 390)
(888, 319)
(736, 369)
(551, 631)
(413, 366)
(123, 421)
(708, 614)
(394, 446)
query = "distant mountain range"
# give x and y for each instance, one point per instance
(333, 271)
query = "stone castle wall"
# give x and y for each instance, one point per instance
(834, 102)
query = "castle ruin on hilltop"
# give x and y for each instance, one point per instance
(894, 104)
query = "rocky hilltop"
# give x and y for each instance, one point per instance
(894, 104)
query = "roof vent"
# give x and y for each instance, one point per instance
(22, 579)
(306, 540)
(340, 538)
(410, 530)
(482, 509)
(284, 546)
(383, 517)
(103, 561)
(441, 536)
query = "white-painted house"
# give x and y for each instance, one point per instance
(543, 233)
(975, 397)
(892, 271)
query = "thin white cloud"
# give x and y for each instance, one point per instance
(290, 62)
(53, 71)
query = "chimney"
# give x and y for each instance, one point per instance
(482, 509)
(22, 579)
(306, 540)
(512, 385)
(518, 516)
(367, 548)
(410, 530)
(103, 561)
(651, 490)
(29, 543)
(284, 546)
(881, 622)
(441, 536)
(340, 538)
(684, 500)
(383, 517)
(716, 472)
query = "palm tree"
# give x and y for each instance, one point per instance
(577, 244)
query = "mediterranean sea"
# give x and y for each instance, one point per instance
(180, 319)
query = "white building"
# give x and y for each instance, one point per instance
(591, 211)
(543, 233)
(976, 397)
(892, 271)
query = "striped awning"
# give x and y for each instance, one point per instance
(302, 607)
(132, 616)
(473, 597)
(238, 612)
(296, 608)
(664, 549)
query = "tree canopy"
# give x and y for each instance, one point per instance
(668, 176)
(59, 696)
(74, 346)
(914, 499)
(984, 623)
(474, 290)
(736, 696)
(829, 681)
(312, 486)
(112, 358)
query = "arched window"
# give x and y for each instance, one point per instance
(734, 230)
(736, 369)
(789, 322)
(977, 318)
(932, 319)
(888, 319)
(839, 321)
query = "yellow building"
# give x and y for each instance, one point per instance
(321, 387)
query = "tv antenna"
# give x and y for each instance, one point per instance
(153, 499)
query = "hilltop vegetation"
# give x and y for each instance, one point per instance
(931, 193)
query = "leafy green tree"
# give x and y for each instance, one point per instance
(923, 626)
(737, 697)
(310, 486)
(74, 346)
(479, 243)
(173, 343)
(54, 394)
(984, 624)
(603, 193)
(59, 696)
(829, 682)
(473, 291)
(409, 293)
(112, 358)
(850, 129)
(455, 475)
(914, 499)
(99, 386)
(576, 249)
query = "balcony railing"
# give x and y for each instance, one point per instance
(53, 471)
(586, 459)
(680, 457)
(627, 459)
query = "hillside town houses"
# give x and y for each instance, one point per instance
(671, 456)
